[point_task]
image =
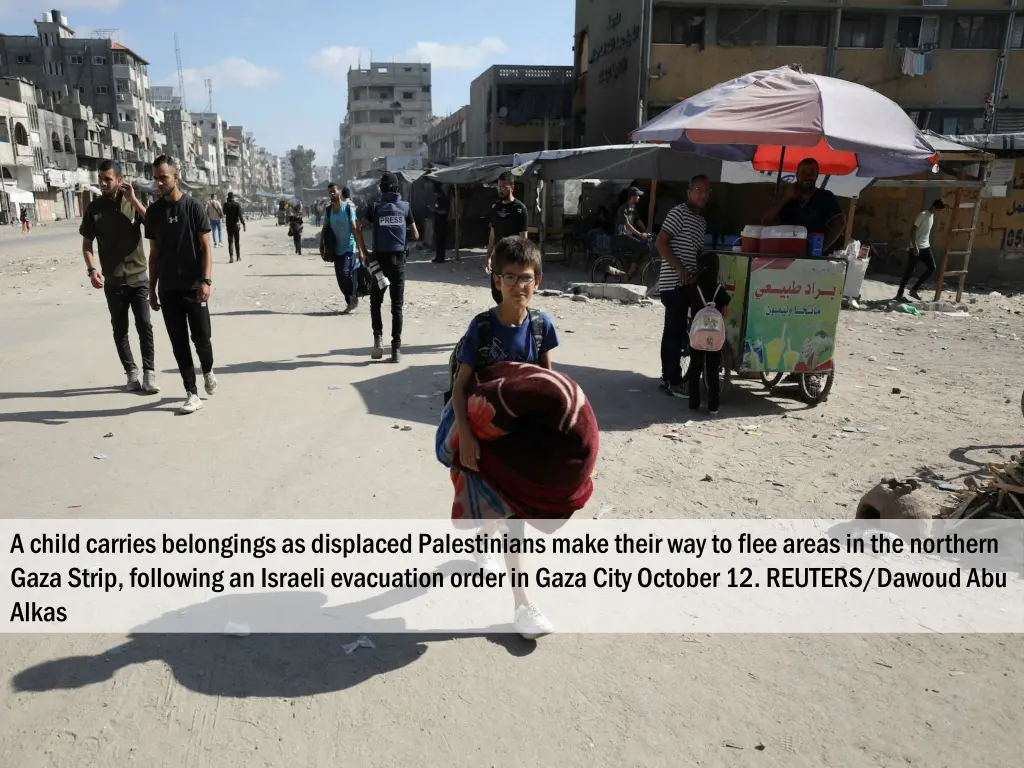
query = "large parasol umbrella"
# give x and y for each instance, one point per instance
(776, 118)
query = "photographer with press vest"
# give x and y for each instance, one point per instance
(392, 226)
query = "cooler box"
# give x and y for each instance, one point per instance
(784, 241)
(750, 238)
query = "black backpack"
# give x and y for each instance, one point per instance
(485, 337)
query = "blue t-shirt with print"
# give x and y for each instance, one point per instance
(510, 343)
(343, 226)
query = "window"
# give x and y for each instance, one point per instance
(25, 58)
(862, 30)
(678, 26)
(803, 28)
(382, 70)
(407, 145)
(77, 59)
(408, 95)
(742, 27)
(101, 89)
(1017, 34)
(917, 32)
(384, 95)
(20, 135)
(387, 145)
(68, 146)
(81, 92)
(55, 140)
(121, 58)
(99, 61)
(386, 119)
(977, 32)
(122, 85)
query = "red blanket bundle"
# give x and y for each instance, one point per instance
(538, 438)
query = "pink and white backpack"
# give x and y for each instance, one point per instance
(707, 331)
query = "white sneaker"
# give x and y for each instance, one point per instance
(531, 623)
(192, 404)
(487, 562)
(133, 385)
(149, 382)
(211, 383)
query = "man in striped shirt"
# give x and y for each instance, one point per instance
(679, 243)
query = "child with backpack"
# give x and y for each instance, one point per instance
(510, 332)
(708, 304)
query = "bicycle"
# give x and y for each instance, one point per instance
(612, 265)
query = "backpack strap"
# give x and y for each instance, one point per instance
(537, 326)
(484, 338)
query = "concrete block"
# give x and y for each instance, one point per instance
(624, 292)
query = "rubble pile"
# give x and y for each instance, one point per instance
(1000, 498)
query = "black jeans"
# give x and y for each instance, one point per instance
(674, 336)
(709, 364)
(925, 256)
(234, 242)
(345, 273)
(393, 267)
(441, 238)
(298, 243)
(184, 314)
(121, 298)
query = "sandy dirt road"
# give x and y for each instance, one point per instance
(278, 441)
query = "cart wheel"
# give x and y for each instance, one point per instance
(599, 273)
(815, 387)
(771, 382)
(649, 277)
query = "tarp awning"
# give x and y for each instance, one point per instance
(18, 195)
(480, 171)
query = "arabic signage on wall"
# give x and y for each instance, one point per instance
(793, 310)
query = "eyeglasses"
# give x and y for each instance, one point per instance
(523, 280)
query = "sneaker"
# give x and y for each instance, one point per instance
(916, 295)
(192, 404)
(378, 348)
(487, 562)
(149, 382)
(713, 413)
(396, 353)
(900, 298)
(679, 390)
(133, 385)
(211, 383)
(531, 623)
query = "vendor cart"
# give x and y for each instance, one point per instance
(782, 320)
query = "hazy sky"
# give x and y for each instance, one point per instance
(278, 68)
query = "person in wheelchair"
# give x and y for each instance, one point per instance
(630, 240)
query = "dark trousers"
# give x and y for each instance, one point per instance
(298, 243)
(184, 314)
(924, 256)
(708, 364)
(345, 273)
(393, 267)
(441, 239)
(121, 299)
(674, 335)
(234, 242)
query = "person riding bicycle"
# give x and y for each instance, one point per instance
(631, 238)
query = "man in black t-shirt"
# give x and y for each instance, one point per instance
(114, 221)
(234, 219)
(804, 205)
(508, 219)
(181, 272)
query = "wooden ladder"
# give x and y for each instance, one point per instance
(956, 231)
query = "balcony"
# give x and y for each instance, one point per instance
(128, 126)
(74, 111)
(160, 139)
(129, 101)
(124, 71)
(86, 148)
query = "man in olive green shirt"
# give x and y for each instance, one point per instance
(115, 221)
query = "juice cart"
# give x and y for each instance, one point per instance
(782, 319)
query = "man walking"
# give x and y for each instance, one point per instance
(393, 225)
(342, 238)
(508, 218)
(235, 220)
(679, 243)
(181, 272)
(920, 251)
(215, 213)
(440, 211)
(115, 220)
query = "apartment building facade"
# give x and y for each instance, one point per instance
(951, 64)
(389, 105)
(519, 109)
(212, 130)
(447, 138)
(89, 73)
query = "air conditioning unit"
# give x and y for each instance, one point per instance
(935, 3)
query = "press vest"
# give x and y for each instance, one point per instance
(390, 230)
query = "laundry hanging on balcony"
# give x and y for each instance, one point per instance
(916, 62)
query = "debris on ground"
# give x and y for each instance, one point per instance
(361, 642)
(1001, 497)
(237, 629)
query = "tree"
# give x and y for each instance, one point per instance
(302, 166)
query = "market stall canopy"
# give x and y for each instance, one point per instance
(776, 118)
(18, 195)
(616, 161)
(476, 171)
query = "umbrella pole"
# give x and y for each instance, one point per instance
(778, 181)
(458, 222)
(650, 206)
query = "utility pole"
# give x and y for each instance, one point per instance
(209, 91)
(181, 76)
